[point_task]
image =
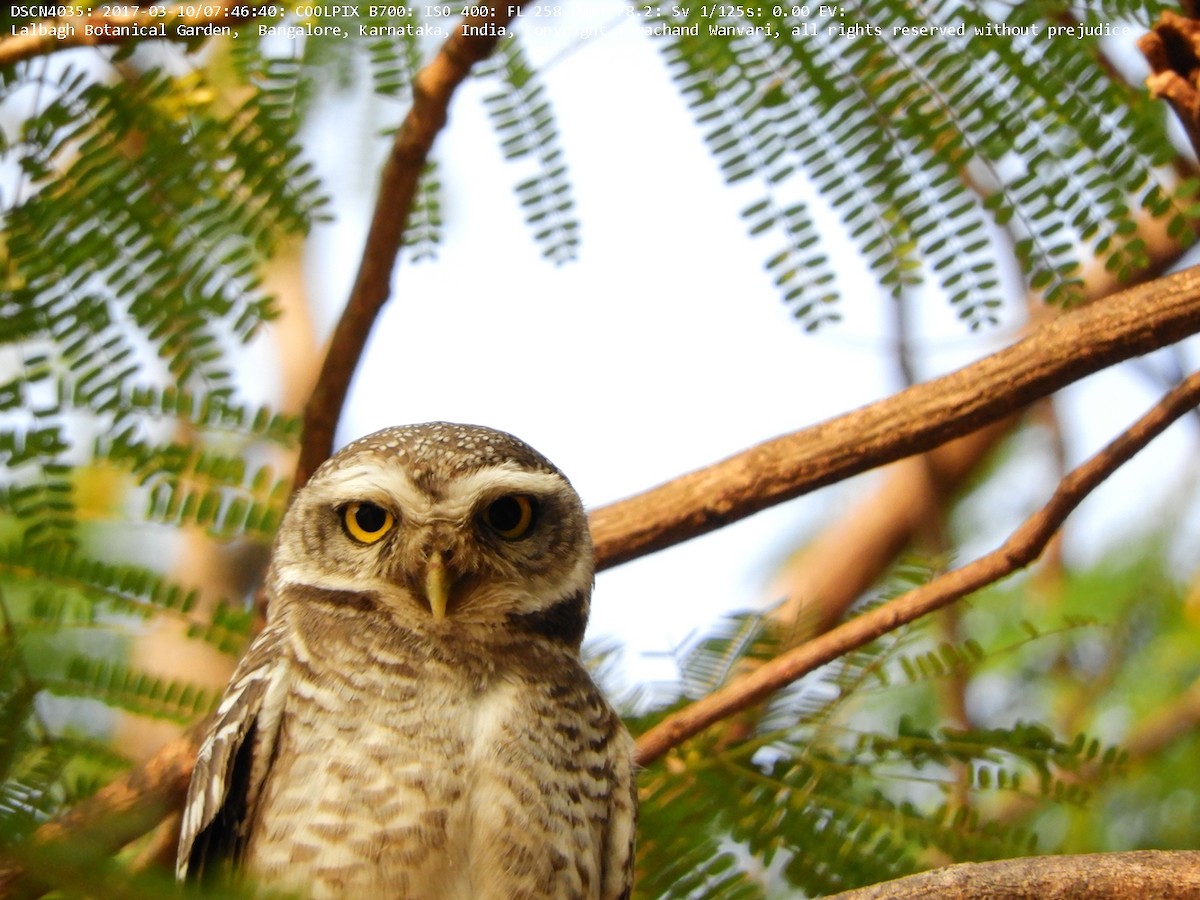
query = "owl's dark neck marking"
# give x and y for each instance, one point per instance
(564, 622)
(364, 601)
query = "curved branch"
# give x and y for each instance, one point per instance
(98, 29)
(1091, 876)
(1022, 547)
(433, 88)
(1059, 352)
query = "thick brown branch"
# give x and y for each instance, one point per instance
(1093, 876)
(1022, 548)
(1124, 325)
(433, 88)
(97, 30)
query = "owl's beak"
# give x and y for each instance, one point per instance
(437, 591)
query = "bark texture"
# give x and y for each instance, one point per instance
(1140, 875)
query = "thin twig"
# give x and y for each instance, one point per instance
(433, 88)
(1022, 548)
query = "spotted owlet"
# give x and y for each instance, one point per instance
(414, 720)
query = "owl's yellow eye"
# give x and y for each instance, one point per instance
(366, 522)
(511, 517)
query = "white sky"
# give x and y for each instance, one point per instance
(665, 346)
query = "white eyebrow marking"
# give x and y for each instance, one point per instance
(495, 481)
(387, 485)
(390, 486)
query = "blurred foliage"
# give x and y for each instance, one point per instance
(147, 187)
(930, 145)
(857, 773)
(524, 122)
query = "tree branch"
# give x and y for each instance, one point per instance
(1021, 548)
(1057, 353)
(45, 36)
(850, 554)
(433, 88)
(1093, 876)
(116, 814)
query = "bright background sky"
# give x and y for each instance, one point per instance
(664, 347)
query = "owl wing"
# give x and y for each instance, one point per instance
(617, 879)
(233, 762)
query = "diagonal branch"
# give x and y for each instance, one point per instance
(1059, 352)
(433, 88)
(1022, 548)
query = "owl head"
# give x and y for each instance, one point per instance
(440, 528)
